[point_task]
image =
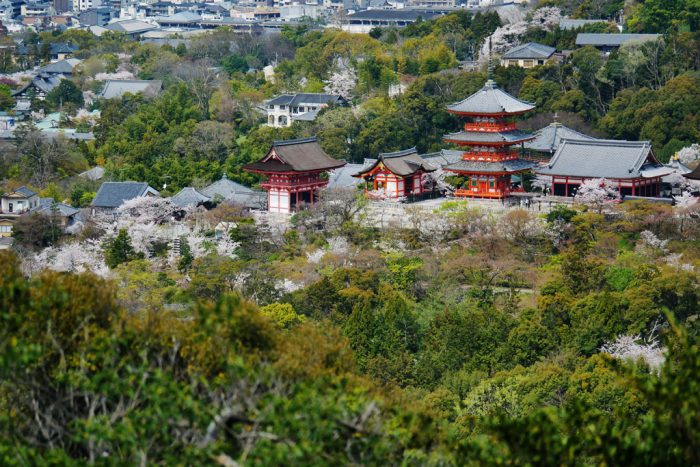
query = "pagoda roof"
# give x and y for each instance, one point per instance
(490, 100)
(401, 163)
(547, 139)
(602, 158)
(296, 155)
(514, 136)
(509, 166)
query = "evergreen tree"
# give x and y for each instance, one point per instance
(119, 250)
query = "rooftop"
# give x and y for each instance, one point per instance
(297, 155)
(189, 196)
(547, 139)
(118, 87)
(113, 194)
(612, 40)
(402, 163)
(391, 15)
(601, 158)
(490, 100)
(224, 188)
(531, 50)
(306, 98)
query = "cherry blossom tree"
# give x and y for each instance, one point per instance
(70, 257)
(634, 349)
(597, 192)
(687, 206)
(542, 182)
(677, 180)
(689, 154)
(546, 18)
(343, 80)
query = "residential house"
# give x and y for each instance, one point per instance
(283, 110)
(528, 55)
(61, 50)
(50, 207)
(18, 201)
(111, 195)
(12, 205)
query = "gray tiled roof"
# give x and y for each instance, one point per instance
(62, 48)
(547, 139)
(601, 158)
(94, 173)
(225, 188)
(569, 23)
(113, 194)
(189, 196)
(118, 87)
(443, 157)
(63, 67)
(342, 177)
(513, 165)
(612, 40)
(131, 26)
(50, 206)
(514, 136)
(306, 98)
(25, 191)
(402, 163)
(490, 100)
(531, 50)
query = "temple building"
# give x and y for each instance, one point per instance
(397, 174)
(547, 139)
(490, 136)
(293, 171)
(630, 165)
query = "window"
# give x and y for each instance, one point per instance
(473, 182)
(491, 184)
(10, 207)
(5, 229)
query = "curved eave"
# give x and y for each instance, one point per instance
(483, 172)
(476, 143)
(486, 114)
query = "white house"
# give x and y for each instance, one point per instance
(284, 109)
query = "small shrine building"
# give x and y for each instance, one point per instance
(396, 174)
(293, 171)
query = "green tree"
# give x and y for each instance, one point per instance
(6, 100)
(65, 93)
(119, 250)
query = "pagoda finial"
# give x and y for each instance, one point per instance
(555, 118)
(489, 75)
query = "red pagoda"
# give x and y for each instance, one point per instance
(293, 169)
(490, 136)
